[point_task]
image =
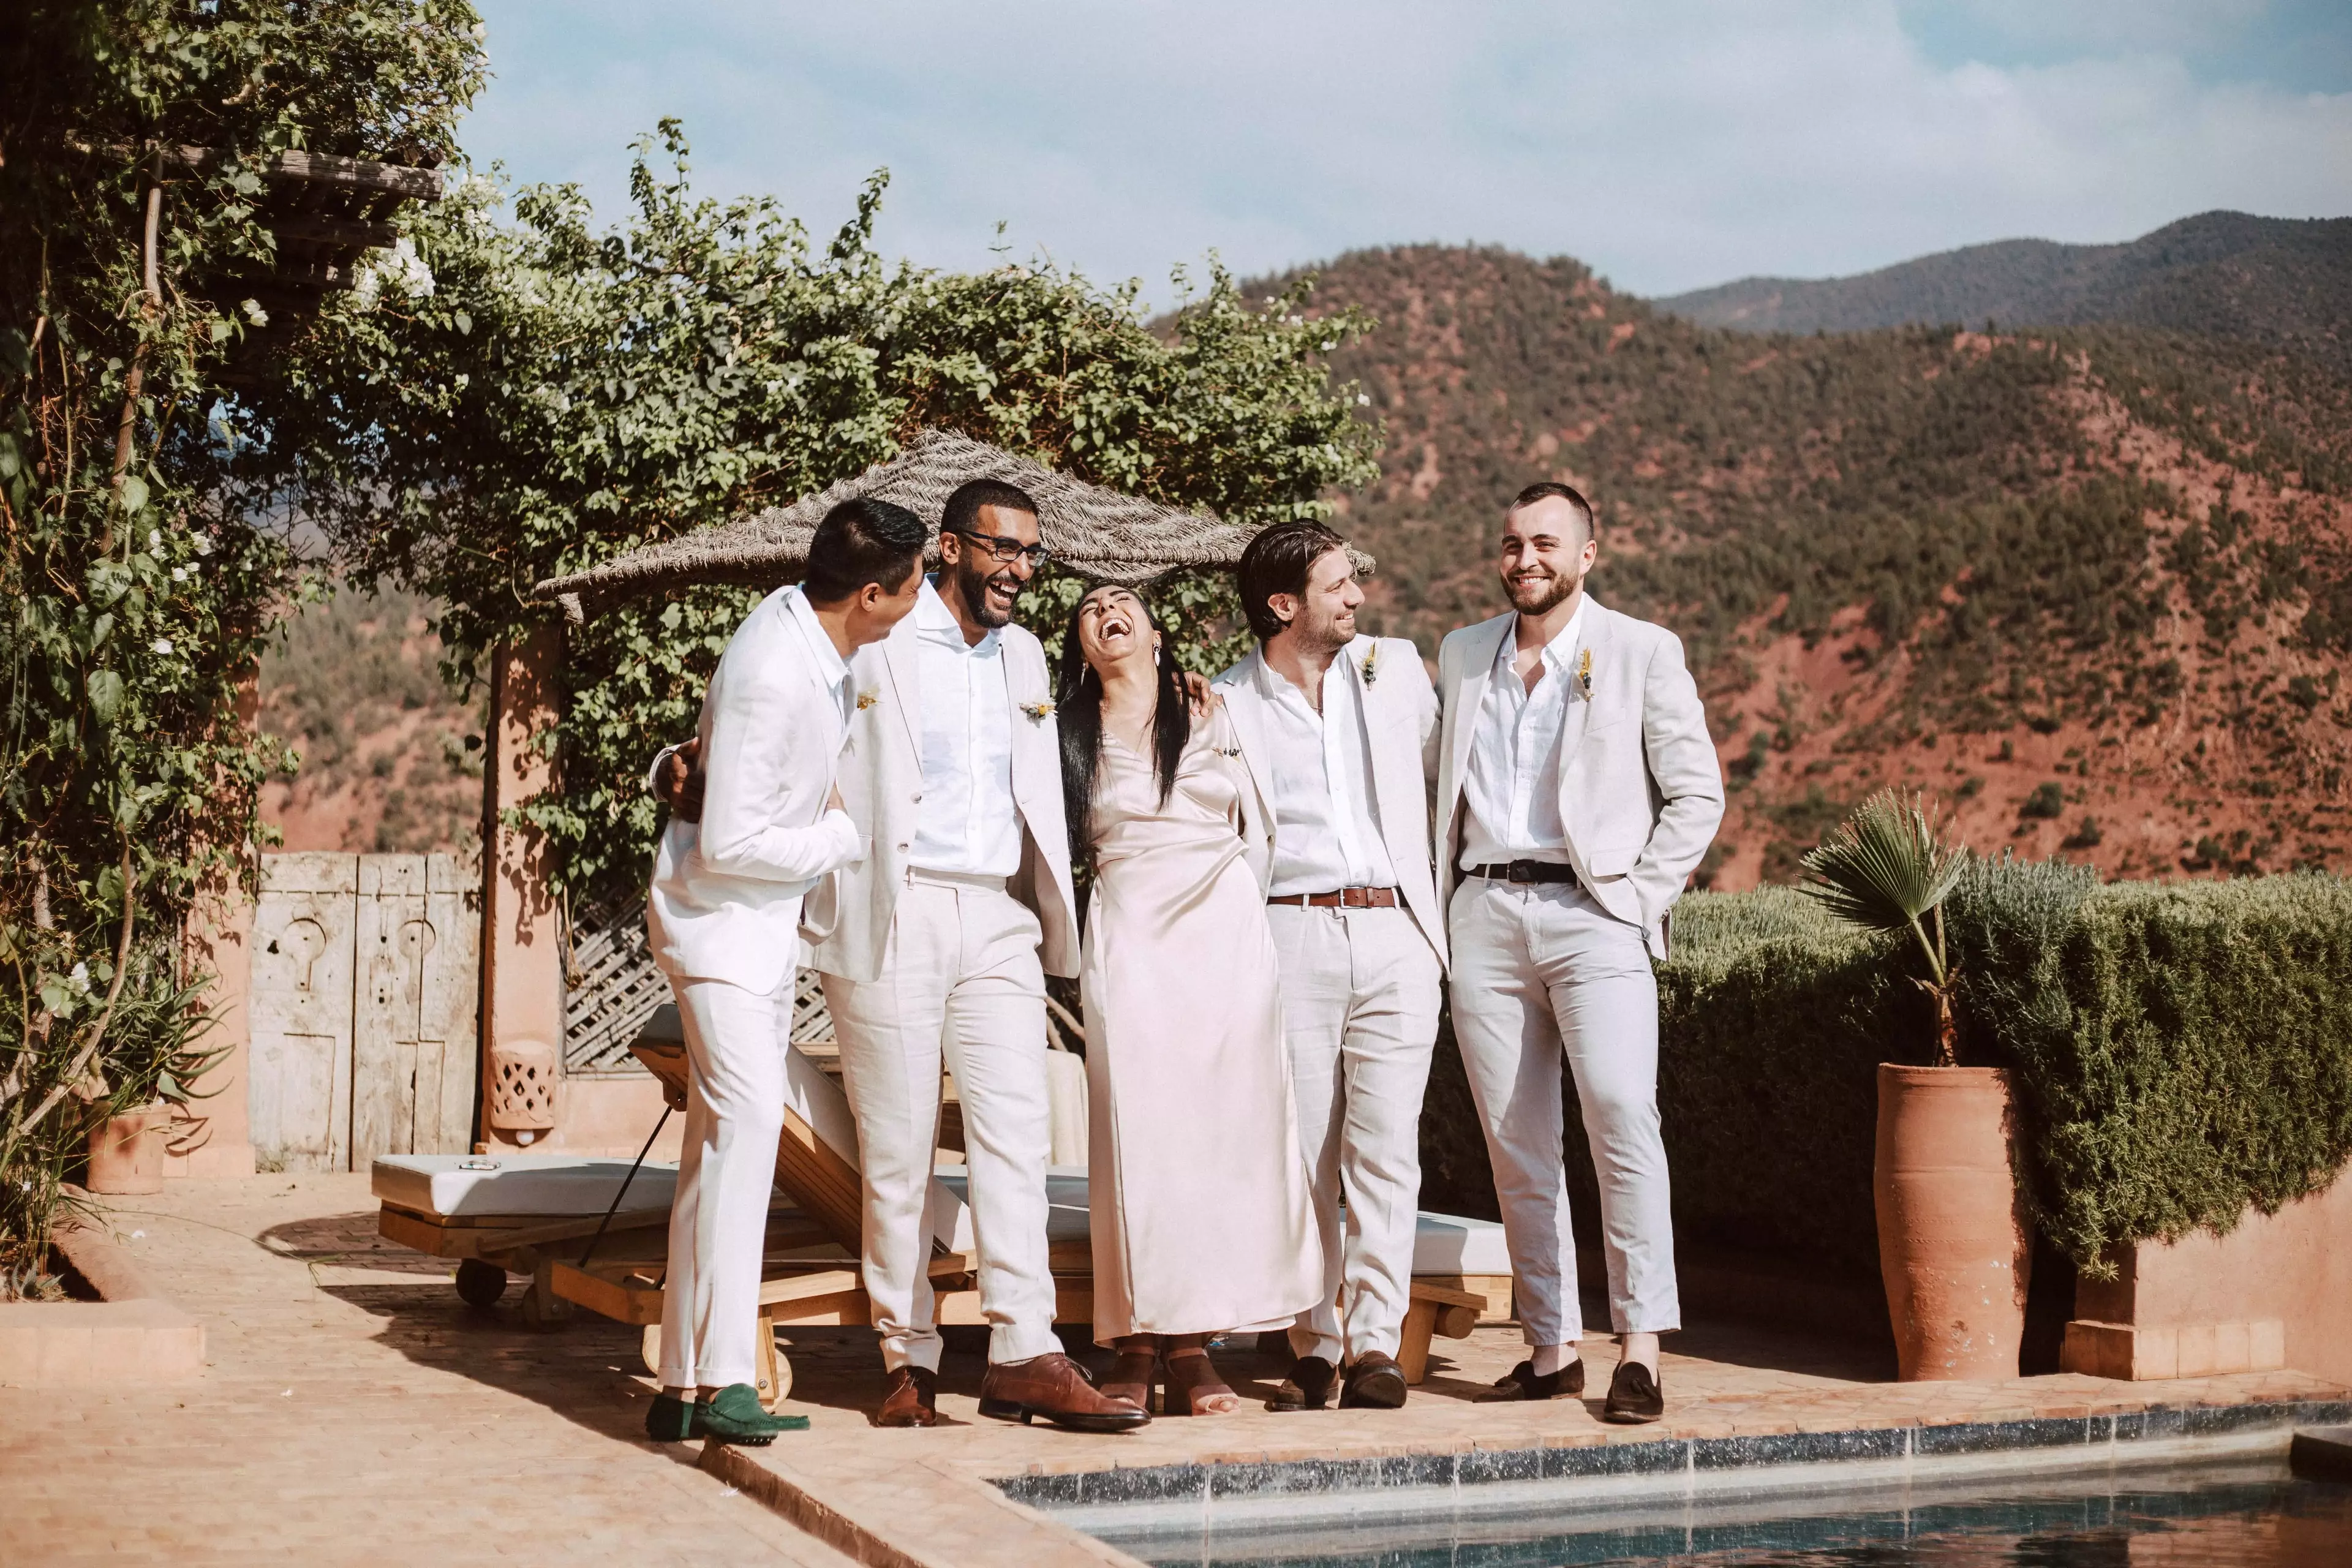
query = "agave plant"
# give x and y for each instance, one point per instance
(1888, 869)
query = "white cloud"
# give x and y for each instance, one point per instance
(1669, 145)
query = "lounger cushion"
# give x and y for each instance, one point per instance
(535, 1186)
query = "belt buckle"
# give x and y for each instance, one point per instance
(1522, 871)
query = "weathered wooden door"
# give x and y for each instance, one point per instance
(364, 1008)
(412, 1026)
(299, 1075)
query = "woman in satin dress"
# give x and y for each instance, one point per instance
(1199, 1193)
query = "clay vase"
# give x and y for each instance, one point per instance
(126, 1152)
(1952, 1240)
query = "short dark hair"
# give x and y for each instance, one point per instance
(962, 514)
(1544, 489)
(1277, 562)
(862, 540)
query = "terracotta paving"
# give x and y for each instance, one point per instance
(355, 1411)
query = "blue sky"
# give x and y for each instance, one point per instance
(1669, 145)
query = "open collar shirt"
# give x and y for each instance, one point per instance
(830, 668)
(967, 822)
(1326, 833)
(1513, 785)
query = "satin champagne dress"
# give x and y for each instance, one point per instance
(1201, 1217)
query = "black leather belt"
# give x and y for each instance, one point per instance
(1345, 899)
(1525, 871)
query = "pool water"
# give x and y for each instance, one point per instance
(2247, 1516)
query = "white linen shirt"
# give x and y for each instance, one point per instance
(1512, 789)
(966, 823)
(1326, 834)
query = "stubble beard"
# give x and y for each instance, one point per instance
(1322, 635)
(1541, 596)
(973, 584)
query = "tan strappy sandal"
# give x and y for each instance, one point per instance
(1131, 1375)
(1193, 1387)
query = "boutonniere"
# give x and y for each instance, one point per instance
(1584, 671)
(1038, 711)
(1371, 665)
(1227, 751)
(866, 699)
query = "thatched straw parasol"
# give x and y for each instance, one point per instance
(1096, 532)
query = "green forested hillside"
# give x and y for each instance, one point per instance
(2117, 549)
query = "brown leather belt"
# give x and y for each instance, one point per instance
(1345, 899)
(1525, 871)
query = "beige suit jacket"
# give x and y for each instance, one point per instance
(1400, 719)
(1641, 790)
(881, 776)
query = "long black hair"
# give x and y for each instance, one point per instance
(1078, 706)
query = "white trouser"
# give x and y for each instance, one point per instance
(737, 1042)
(1539, 969)
(961, 977)
(1359, 994)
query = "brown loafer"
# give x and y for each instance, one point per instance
(1521, 1382)
(912, 1400)
(1375, 1381)
(1308, 1386)
(1635, 1395)
(1053, 1385)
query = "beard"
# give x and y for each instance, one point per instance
(1538, 595)
(1323, 634)
(972, 579)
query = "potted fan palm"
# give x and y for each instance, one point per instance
(1952, 1240)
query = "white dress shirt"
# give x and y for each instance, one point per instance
(1512, 788)
(968, 822)
(1326, 834)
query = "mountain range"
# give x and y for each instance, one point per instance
(2088, 585)
(2276, 281)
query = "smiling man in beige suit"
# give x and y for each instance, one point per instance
(1335, 729)
(1577, 791)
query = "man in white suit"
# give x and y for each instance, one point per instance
(1577, 791)
(1335, 728)
(723, 915)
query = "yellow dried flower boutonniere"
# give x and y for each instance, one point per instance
(1584, 672)
(1038, 711)
(866, 699)
(1371, 665)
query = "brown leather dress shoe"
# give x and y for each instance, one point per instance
(1308, 1386)
(912, 1399)
(1374, 1382)
(1635, 1395)
(1521, 1382)
(1055, 1387)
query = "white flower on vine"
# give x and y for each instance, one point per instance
(1363, 400)
(155, 539)
(162, 644)
(400, 269)
(79, 979)
(254, 313)
(203, 543)
(181, 574)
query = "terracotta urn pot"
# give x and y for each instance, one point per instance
(126, 1152)
(1952, 1240)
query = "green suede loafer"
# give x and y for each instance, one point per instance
(734, 1415)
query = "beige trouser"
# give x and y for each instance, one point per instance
(741, 1075)
(1539, 970)
(1359, 997)
(961, 980)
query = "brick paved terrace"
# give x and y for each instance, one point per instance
(355, 1411)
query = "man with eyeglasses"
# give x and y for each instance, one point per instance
(938, 945)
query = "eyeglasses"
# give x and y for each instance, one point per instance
(1005, 551)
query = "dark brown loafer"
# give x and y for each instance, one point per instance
(1308, 1386)
(1521, 1382)
(912, 1400)
(1053, 1386)
(1375, 1381)
(1635, 1395)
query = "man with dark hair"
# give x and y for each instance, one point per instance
(936, 946)
(1576, 790)
(1335, 730)
(723, 915)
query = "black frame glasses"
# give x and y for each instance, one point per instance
(1005, 550)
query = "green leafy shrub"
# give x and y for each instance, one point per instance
(2047, 802)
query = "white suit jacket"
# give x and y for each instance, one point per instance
(1401, 721)
(727, 892)
(1641, 790)
(882, 775)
